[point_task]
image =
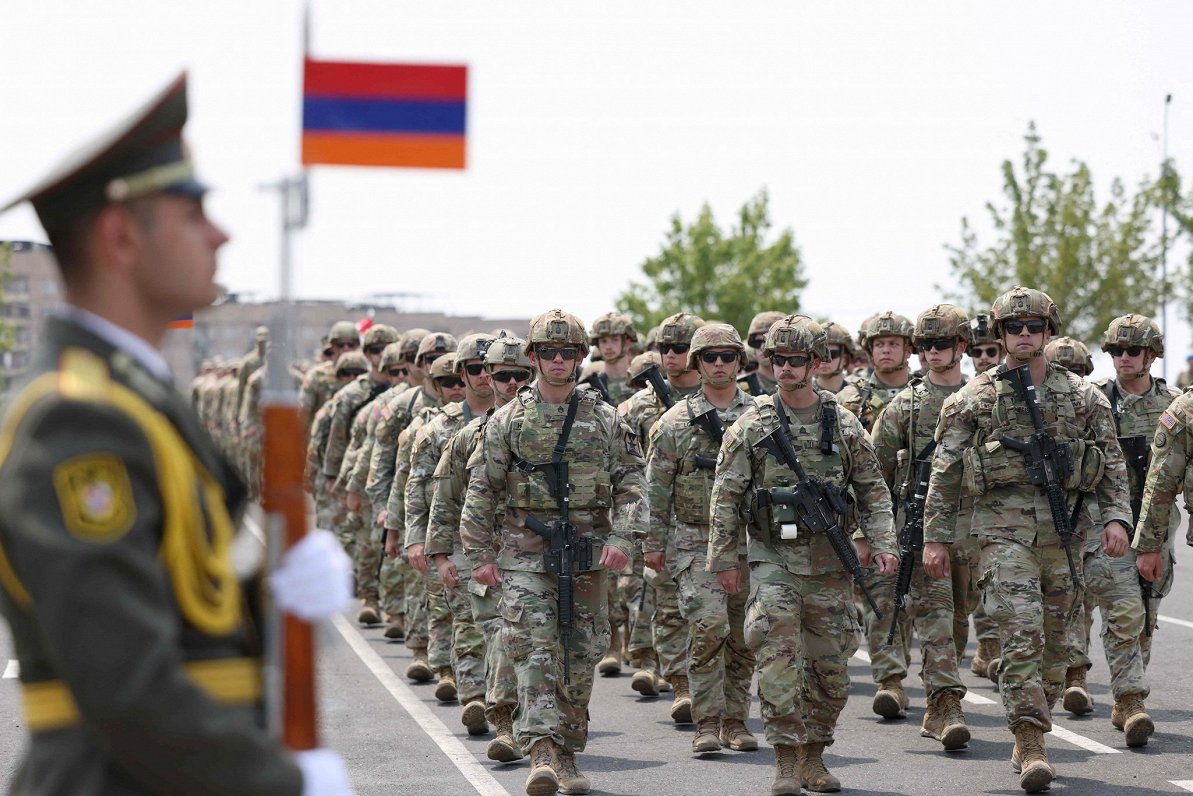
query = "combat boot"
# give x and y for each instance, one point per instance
(987, 651)
(1133, 720)
(945, 721)
(786, 782)
(891, 700)
(1077, 700)
(445, 691)
(370, 613)
(707, 738)
(681, 707)
(646, 679)
(1029, 758)
(543, 781)
(737, 737)
(473, 717)
(419, 669)
(610, 665)
(503, 749)
(993, 669)
(813, 774)
(396, 629)
(570, 778)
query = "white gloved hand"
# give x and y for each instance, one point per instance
(323, 773)
(314, 580)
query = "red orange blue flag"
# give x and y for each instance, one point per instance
(366, 114)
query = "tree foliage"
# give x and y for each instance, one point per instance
(1096, 260)
(723, 275)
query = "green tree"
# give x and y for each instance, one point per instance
(1096, 260)
(727, 276)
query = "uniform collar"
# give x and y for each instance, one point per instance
(142, 352)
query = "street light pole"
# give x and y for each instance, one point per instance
(1164, 232)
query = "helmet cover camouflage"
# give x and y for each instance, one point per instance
(612, 324)
(352, 360)
(444, 367)
(473, 346)
(1070, 354)
(410, 340)
(678, 328)
(1131, 330)
(941, 321)
(508, 352)
(981, 330)
(839, 335)
(797, 334)
(380, 334)
(343, 330)
(640, 364)
(392, 355)
(884, 324)
(435, 343)
(714, 335)
(761, 323)
(557, 328)
(1023, 302)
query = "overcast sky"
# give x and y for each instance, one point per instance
(875, 127)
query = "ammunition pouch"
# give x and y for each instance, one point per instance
(693, 494)
(1089, 465)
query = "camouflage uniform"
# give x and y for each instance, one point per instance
(605, 476)
(865, 396)
(1027, 588)
(759, 383)
(319, 384)
(800, 619)
(1072, 355)
(252, 431)
(679, 482)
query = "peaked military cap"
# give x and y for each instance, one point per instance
(141, 155)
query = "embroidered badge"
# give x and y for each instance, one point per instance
(1161, 439)
(1167, 420)
(95, 496)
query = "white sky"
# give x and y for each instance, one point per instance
(875, 126)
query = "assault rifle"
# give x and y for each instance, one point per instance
(710, 421)
(1138, 455)
(753, 384)
(1049, 463)
(600, 383)
(652, 375)
(816, 504)
(911, 537)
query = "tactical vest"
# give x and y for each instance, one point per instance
(692, 495)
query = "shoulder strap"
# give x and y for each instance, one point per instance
(561, 443)
(1111, 390)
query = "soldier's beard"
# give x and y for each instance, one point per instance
(794, 386)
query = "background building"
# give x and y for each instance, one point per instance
(31, 289)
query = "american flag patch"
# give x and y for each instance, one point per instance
(1167, 420)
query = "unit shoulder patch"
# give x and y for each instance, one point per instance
(95, 496)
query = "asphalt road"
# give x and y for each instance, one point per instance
(399, 740)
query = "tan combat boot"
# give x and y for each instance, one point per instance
(681, 706)
(813, 774)
(1077, 699)
(419, 669)
(646, 679)
(945, 721)
(503, 749)
(993, 669)
(708, 736)
(610, 665)
(1029, 758)
(1133, 720)
(891, 700)
(543, 781)
(570, 778)
(370, 614)
(445, 691)
(396, 629)
(737, 737)
(987, 651)
(786, 781)
(473, 716)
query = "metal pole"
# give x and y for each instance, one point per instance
(1164, 234)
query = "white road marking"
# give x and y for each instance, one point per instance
(1183, 784)
(972, 698)
(438, 732)
(13, 669)
(1175, 621)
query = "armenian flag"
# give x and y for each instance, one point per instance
(367, 114)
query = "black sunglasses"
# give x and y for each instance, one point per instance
(450, 382)
(794, 360)
(990, 352)
(427, 359)
(750, 368)
(408, 358)
(1034, 326)
(376, 348)
(937, 344)
(756, 341)
(712, 357)
(475, 369)
(678, 348)
(345, 344)
(1118, 350)
(351, 374)
(397, 372)
(506, 376)
(834, 352)
(549, 352)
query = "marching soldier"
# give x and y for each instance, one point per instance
(320, 382)
(613, 334)
(1028, 582)
(886, 338)
(831, 375)
(1072, 355)
(764, 383)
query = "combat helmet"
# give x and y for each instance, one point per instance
(1024, 302)
(343, 330)
(1070, 354)
(558, 328)
(943, 320)
(352, 360)
(761, 324)
(796, 334)
(1134, 330)
(639, 365)
(443, 367)
(981, 330)
(410, 341)
(392, 355)
(612, 324)
(839, 335)
(885, 324)
(508, 352)
(678, 328)
(715, 335)
(434, 343)
(380, 334)
(473, 346)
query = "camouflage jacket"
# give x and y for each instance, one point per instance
(643, 408)
(426, 448)
(1167, 475)
(318, 386)
(678, 480)
(865, 396)
(316, 443)
(359, 476)
(395, 507)
(396, 414)
(447, 500)
(605, 475)
(741, 525)
(971, 460)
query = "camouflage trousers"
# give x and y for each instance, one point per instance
(966, 556)
(641, 610)
(720, 665)
(1112, 586)
(417, 610)
(1028, 593)
(501, 684)
(324, 510)
(1160, 590)
(803, 629)
(366, 555)
(439, 623)
(467, 644)
(547, 706)
(394, 572)
(669, 631)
